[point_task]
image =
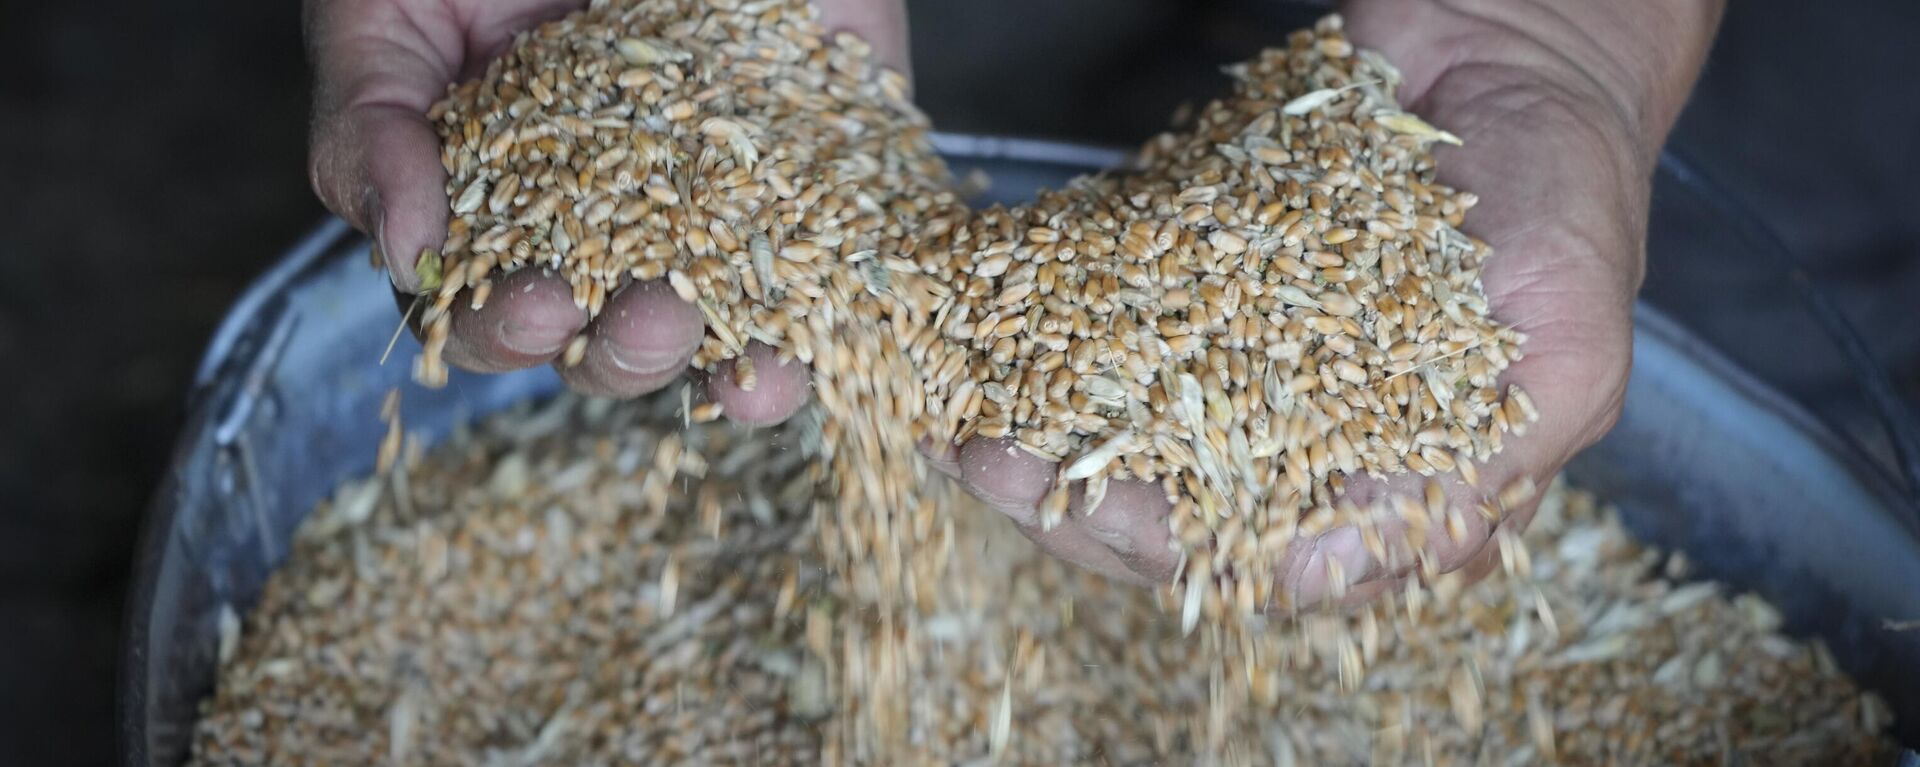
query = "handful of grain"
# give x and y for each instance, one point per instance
(590, 583)
(1277, 302)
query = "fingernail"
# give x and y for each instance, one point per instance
(534, 340)
(645, 360)
(377, 226)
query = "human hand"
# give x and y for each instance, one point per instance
(379, 65)
(1563, 107)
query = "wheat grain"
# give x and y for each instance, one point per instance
(533, 608)
(1278, 302)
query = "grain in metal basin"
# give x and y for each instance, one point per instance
(1706, 459)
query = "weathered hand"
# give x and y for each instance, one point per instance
(376, 162)
(1562, 111)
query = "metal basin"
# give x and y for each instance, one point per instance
(1705, 459)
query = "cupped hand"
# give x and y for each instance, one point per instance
(379, 65)
(1560, 135)
(1560, 131)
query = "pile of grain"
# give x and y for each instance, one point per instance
(586, 583)
(533, 593)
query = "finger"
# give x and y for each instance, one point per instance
(1326, 569)
(1410, 530)
(404, 204)
(1124, 537)
(490, 27)
(527, 320)
(643, 340)
(1012, 482)
(882, 23)
(1131, 521)
(1072, 544)
(375, 160)
(1318, 572)
(778, 388)
(1009, 479)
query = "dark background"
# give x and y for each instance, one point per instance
(151, 163)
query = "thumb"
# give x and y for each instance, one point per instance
(375, 159)
(378, 167)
